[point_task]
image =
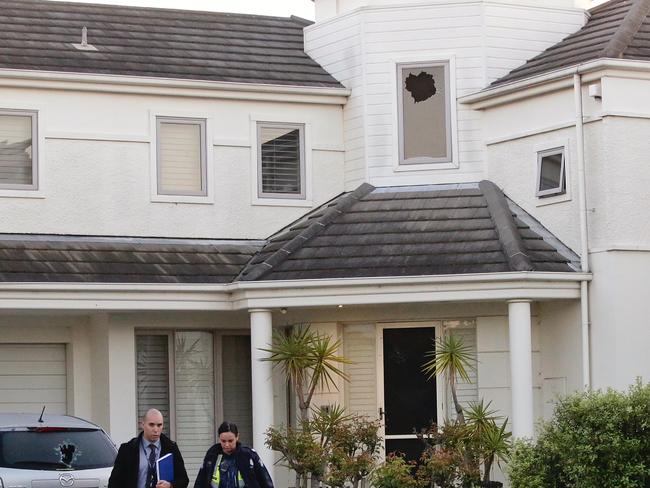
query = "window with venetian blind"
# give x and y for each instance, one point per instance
(18, 150)
(196, 379)
(181, 156)
(281, 160)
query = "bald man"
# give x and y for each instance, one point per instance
(135, 465)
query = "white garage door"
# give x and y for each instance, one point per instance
(31, 376)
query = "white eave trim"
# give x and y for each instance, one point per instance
(303, 293)
(550, 81)
(170, 86)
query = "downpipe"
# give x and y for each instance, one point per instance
(584, 236)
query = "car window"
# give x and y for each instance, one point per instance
(56, 449)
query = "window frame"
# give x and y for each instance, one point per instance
(402, 162)
(302, 163)
(561, 188)
(34, 186)
(204, 152)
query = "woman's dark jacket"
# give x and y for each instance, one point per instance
(248, 464)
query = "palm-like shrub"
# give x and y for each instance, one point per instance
(308, 359)
(450, 358)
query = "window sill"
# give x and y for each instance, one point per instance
(424, 166)
(7, 193)
(199, 200)
(551, 199)
(281, 202)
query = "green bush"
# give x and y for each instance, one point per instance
(394, 473)
(595, 439)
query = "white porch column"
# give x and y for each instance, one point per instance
(262, 385)
(521, 368)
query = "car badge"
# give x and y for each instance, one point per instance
(66, 479)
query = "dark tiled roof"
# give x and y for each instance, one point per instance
(406, 231)
(29, 258)
(617, 29)
(39, 35)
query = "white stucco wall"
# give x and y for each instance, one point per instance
(96, 165)
(617, 181)
(512, 166)
(620, 318)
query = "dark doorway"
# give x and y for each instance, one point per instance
(410, 400)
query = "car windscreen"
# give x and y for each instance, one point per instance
(56, 449)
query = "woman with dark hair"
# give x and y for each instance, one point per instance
(228, 464)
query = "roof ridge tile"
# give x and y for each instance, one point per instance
(506, 227)
(626, 31)
(313, 228)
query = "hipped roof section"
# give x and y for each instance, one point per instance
(411, 231)
(160, 43)
(618, 29)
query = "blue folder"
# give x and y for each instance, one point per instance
(165, 468)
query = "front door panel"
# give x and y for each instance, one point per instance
(410, 400)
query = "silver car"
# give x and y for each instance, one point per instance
(53, 451)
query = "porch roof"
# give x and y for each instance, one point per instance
(84, 259)
(411, 231)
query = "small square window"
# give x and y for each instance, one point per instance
(550, 173)
(281, 160)
(18, 136)
(181, 156)
(424, 113)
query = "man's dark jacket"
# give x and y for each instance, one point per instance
(125, 469)
(248, 464)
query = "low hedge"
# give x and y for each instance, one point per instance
(594, 440)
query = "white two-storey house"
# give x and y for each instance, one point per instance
(174, 185)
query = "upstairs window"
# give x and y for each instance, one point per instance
(281, 160)
(424, 113)
(18, 138)
(550, 172)
(181, 156)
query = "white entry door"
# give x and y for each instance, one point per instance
(33, 376)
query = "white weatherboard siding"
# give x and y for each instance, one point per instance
(97, 170)
(338, 47)
(467, 392)
(359, 344)
(33, 376)
(483, 39)
(516, 33)
(329, 8)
